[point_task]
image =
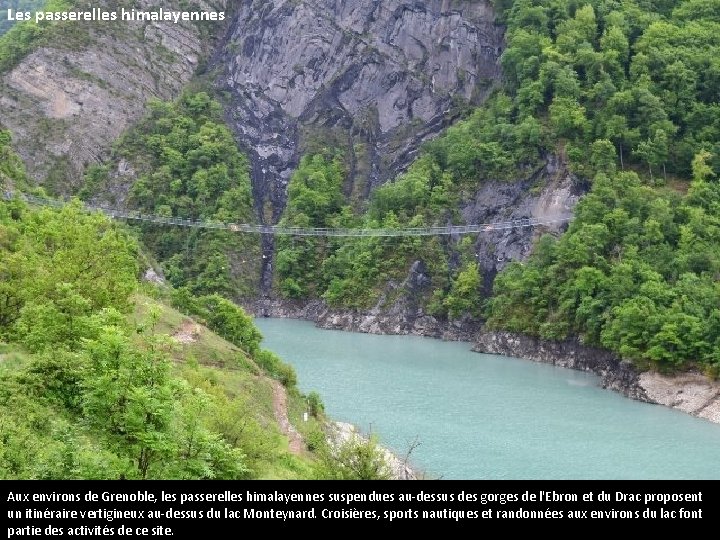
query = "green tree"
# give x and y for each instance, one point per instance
(189, 166)
(315, 404)
(568, 118)
(353, 459)
(603, 156)
(315, 199)
(464, 296)
(129, 395)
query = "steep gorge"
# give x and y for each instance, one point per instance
(375, 79)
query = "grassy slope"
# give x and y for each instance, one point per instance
(211, 363)
(210, 360)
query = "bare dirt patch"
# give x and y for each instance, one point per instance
(280, 410)
(189, 332)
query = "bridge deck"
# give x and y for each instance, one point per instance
(280, 230)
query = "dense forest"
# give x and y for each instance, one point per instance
(630, 92)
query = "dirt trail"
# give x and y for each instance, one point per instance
(188, 332)
(280, 410)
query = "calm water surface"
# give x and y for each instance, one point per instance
(486, 416)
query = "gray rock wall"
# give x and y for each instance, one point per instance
(549, 193)
(68, 101)
(386, 73)
(376, 78)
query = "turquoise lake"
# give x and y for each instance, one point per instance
(485, 416)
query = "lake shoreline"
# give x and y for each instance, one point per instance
(689, 392)
(342, 432)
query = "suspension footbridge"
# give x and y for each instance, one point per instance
(283, 230)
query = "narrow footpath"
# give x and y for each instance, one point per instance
(280, 409)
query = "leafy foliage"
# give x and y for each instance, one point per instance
(315, 200)
(99, 397)
(63, 274)
(232, 323)
(642, 75)
(353, 272)
(189, 166)
(17, 40)
(12, 170)
(636, 273)
(464, 296)
(355, 458)
(276, 368)
(633, 82)
(315, 404)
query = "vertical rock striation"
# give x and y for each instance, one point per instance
(374, 78)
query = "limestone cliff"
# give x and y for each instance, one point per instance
(375, 77)
(67, 101)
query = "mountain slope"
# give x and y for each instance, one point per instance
(331, 100)
(374, 79)
(100, 381)
(83, 84)
(16, 5)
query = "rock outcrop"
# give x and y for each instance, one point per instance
(690, 392)
(67, 101)
(385, 74)
(340, 433)
(397, 321)
(614, 373)
(550, 194)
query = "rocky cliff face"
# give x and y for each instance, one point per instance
(549, 194)
(69, 100)
(374, 78)
(689, 392)
(396, 321)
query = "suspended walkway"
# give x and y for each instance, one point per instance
(281, 230)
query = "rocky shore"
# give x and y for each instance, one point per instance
(689, 392)
(341, 432)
